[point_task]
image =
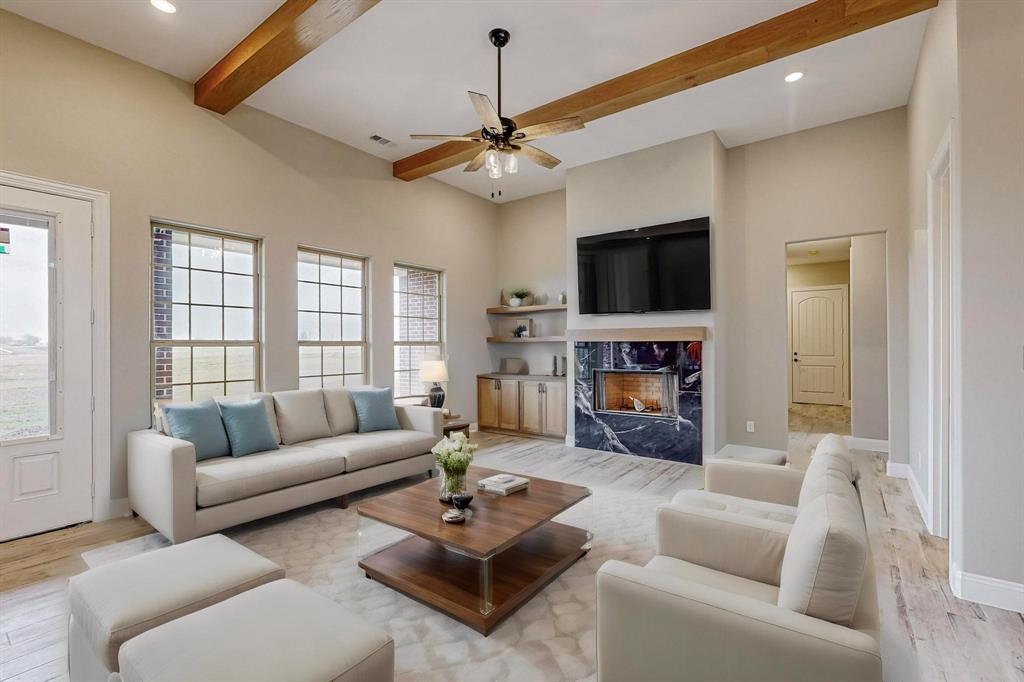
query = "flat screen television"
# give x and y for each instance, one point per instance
(646, 269)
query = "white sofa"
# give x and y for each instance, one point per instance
(766, 574)
(321, 456)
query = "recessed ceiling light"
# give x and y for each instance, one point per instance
(791, 78)
(164, 6)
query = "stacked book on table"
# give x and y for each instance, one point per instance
(503, 484)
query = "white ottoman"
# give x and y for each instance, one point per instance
(281, 632)
(111, 604)
(746, 453)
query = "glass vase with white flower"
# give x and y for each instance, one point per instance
(453, 456)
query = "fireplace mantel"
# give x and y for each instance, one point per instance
(640, 334)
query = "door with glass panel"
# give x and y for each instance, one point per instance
(45, 362)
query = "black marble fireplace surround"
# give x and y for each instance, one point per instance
(641, 398)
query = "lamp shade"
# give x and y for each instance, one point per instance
(433, 370)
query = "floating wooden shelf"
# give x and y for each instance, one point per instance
(526, 339)
(509, 310)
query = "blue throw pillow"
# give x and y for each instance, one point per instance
(248, 427)
(199, 424)
(375, 409)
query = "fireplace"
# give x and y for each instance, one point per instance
(644, 392)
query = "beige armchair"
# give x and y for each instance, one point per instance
(777, 585)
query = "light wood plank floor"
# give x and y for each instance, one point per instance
(928, 633)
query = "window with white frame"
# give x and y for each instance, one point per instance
(332, 320)
(419, 325)
(205, 331)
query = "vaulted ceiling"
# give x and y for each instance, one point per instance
(404, 67)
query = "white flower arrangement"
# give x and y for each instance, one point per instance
(454, 454)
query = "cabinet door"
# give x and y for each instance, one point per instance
(487, 402)
(531, 401)
(554, 409)
(508, 413)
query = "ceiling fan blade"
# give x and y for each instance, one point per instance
(455, 138)
(485, 110)
(562, 125)
(538, 156)
(477, 162)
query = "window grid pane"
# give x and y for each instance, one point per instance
(204, 314)
(331, 325)
(418, 325)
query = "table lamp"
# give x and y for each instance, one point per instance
(434, 371)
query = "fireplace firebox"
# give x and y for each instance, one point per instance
(648, 392)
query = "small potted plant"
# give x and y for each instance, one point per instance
(518, 297)
(453, 456)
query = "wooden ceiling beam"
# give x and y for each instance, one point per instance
(295, 29)
(801, 29)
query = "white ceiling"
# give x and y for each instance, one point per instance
(405, 66)
(828, 251)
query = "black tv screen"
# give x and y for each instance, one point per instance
(647, 269)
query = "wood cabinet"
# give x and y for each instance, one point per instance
(531, 406)
(497, 403)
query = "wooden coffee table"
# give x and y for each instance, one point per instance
(478, 572)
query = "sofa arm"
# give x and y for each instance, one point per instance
(420, 418)
(657, 626)
(753, 481)
(740, 545)
(162, 483)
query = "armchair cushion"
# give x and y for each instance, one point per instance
(753, 481)
(831, 455)
(736, 505)
(823, 569)
(744, 546)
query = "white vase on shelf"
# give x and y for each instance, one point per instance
(515, 302)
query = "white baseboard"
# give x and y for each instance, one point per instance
(904, 471)
(873, 444)
(473, 426)
(1003, 594)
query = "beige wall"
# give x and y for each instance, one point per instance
(932, 107)
(838, 180)
(79, 114)
(990, 533)
(818, 274)
(661, 184)
(869, 376)
(531, 254)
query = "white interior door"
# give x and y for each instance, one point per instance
(818, 344)
(45, 362)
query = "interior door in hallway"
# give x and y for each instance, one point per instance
(818, 343)
(45, 362)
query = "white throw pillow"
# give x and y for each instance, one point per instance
(823, 568)
(301, 415)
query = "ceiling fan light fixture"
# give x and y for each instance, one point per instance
(492, 159)
(511, 163)
(494, 172)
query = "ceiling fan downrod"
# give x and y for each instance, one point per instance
(499, 38)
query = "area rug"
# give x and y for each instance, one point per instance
(552, 637)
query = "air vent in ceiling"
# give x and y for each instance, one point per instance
(380, 140)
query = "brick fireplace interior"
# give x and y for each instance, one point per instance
(616, 390)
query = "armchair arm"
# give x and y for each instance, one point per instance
(753, 481)
(420, 418)
(162, 483)
(743, 546)
(656, 626)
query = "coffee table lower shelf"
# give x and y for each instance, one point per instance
(450, 582)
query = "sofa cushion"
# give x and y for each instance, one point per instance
(831, 454)
(375, 410)
(120, 600)
(226, 479)
(362, 450)
(823, 569)
(341, 412)
(301, 415)
(280, 631)
(248, 427)
(201, 425)
(718, 580)
(736, 505)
